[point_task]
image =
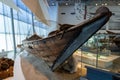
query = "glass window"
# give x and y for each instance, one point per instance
(2, 29)
(18, 39)
(9, 39)
(1, 8)
(2, 42)
(15, 14)
(16, 26)
(29, 18)
(30, 29)
(23, 27)
(8, 25)
(37, 29)
(42, 32)
(23, 37)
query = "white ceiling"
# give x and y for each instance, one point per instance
(87, 2)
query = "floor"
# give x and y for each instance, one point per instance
(114, 68)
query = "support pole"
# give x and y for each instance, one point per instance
(97, 53)
(13, 32)
(33, 25)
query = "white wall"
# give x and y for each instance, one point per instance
(67, 18)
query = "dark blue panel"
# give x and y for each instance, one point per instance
(98, 74)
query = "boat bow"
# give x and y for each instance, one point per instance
(58, 47)
(89, 28)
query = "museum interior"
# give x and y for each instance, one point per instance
(60, 40)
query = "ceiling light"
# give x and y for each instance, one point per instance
(105, 4)
(119, 4)
(66, 4)
(102, 4)
(53, 4)
(96, 4)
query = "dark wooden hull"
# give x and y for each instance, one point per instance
(59, 47)
(49, 48)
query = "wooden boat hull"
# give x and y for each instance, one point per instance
(56, 49)
(84, 35)
(51, 47)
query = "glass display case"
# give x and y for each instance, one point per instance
(102, 51)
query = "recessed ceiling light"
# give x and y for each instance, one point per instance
(96, 4)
